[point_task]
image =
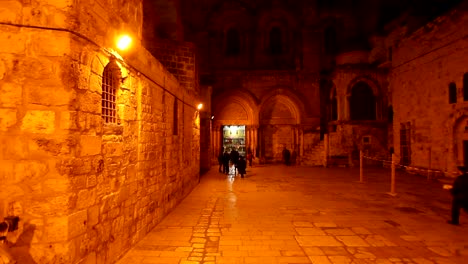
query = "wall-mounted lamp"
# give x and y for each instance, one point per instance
(124, 42)
(199, 106)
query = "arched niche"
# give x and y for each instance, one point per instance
(460, 136)
(279, 116)
(364, 95)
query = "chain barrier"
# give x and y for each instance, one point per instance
(394, 166)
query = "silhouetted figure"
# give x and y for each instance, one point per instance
(234, 159)
(226, 158)
(460, 195)
(220, 161)
(286, 156)
(241, 166)
(250, 158)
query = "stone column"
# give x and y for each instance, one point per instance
(248, 139)
(255, 135)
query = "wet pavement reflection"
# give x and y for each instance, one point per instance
(288, 214)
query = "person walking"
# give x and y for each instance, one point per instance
(220, 161)
(241, 166)
(460, 195)
(250, 158)
(286, 156)
(226, 158)
(234, 159)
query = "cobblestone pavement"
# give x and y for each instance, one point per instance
(280, 214)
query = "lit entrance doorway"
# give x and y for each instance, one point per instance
(234, 137)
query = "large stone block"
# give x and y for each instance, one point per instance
(57, 184)
(90, 145)
(10, 11)
(11, 94)
(78, 223)
(37, 121)
(90, 102)
(48, 92)
(7, 119)
(12, 41)
(55, 205)
(86, 198)
(56, 229)
(50, 43)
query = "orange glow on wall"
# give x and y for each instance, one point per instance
(124, 42)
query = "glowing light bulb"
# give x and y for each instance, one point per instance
(123, 42)
(199, 106)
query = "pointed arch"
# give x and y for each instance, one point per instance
(235, 107)
(289, 99)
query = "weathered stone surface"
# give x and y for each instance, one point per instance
(7, 119)
(11, 94)
(90, 145)
(41, 122)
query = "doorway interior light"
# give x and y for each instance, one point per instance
(199, 106)
(124, 42)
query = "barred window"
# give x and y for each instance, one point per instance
(109, 91)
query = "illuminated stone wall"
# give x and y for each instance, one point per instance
(87, 191)
(346, 136)
(424, 63)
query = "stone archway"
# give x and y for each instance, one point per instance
(235, 108)
(460, 142)
(279, 117)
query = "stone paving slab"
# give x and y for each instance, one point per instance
(280, 214)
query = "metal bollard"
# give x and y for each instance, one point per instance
(392, 188)
(361, 173)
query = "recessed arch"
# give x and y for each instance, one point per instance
(364, 99)
(225, 105)
(288, 98)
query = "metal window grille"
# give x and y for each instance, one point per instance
(109, 113)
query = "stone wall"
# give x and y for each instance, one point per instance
(423, 65)
(345, 135)
(85, 190)
(179, 58)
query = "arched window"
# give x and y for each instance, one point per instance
(232, 42)
(110, 84)
(362, 102)
(275, 41)
(390, 113)
(452, 93)
(465, 87)
(330, 41)
(333, 107)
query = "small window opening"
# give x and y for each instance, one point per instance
(452, 93)
(362, 102)
(275, 41)
(232, 42)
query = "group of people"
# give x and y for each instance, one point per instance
(225, 159)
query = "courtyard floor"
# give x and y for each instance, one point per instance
(288, 214)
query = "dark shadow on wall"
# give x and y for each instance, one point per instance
(21, 249)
